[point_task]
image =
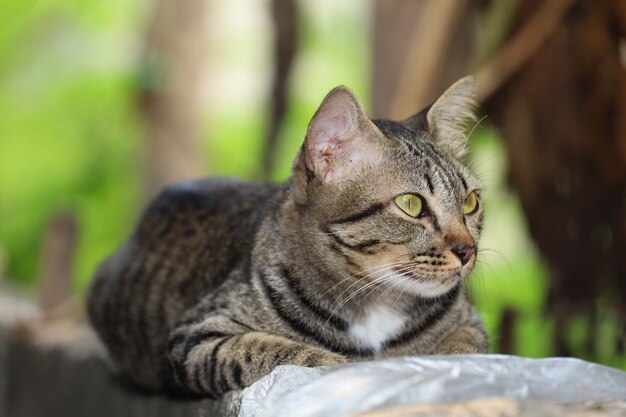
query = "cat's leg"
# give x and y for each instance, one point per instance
(464, 340)
(211, 362)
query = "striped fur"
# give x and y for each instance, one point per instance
(223, 280)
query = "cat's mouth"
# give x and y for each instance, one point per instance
(441, 274)
(428, 283)
(433, 276)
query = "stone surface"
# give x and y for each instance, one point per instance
(502, 407)
(58, 368)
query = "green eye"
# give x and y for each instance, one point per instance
(470, 204)
(410, 204)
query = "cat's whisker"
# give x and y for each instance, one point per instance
(401, 271)
(394, 282)
(363, 276)
(366, 273)
(481, 170)
(336, 309)
(376, 287)
(476, 164)
(483, 262)
(387, 278)
(394, 286)
(405, 288)
(379, 280)
(469, 135)
(494, 252)
(362, 289)
(370, 271)
(390, 288)
(478, 279)
(469, 286)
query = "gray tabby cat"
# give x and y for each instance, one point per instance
(360, 255)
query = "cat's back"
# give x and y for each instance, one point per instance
(206, 227)
(189, 240)
(216, 210)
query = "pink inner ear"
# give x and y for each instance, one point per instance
(334, 125)
(325, 141)
(337, 137)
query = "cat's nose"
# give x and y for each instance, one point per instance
(464, 252)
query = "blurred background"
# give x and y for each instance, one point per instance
(104, 102)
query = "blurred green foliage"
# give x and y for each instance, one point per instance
(70, 139)
(70, 136)
(68, 132)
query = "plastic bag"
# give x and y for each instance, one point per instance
(343, 390)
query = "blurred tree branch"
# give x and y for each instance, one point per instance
(284, 19)
(562, 114)
(170, 91)
(426, 54)
(419, 49)
(57, 260)
(557, 90)
(520, 48)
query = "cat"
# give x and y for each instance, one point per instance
(360, 255)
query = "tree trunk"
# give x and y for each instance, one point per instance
(285, 41)
(557, 91)
(563, 118)
(169, 99)
(57, 261)
(420, 48)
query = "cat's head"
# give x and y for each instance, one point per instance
(391, 201)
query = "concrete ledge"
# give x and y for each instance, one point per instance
(57, 368)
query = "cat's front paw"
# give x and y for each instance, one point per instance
(321, 357)
(456, 348)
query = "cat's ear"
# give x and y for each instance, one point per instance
(339, 137)
(447, 118)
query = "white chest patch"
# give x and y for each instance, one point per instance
(379, 325)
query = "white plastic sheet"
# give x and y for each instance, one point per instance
(344, 390)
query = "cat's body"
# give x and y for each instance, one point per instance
(225, 280)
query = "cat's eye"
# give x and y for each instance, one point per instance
(411, 204)
(470, 204)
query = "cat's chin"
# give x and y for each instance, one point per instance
(436, 289)
(426, 289)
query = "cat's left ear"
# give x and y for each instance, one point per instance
(447, 118)
(340, 138)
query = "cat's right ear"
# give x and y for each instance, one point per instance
(447, 117)
(340, 136)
